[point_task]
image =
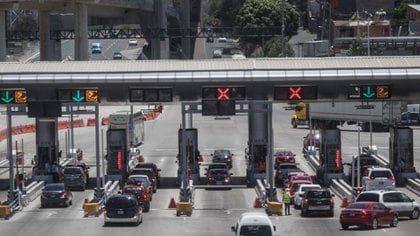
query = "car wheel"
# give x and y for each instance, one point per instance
(415, 214)
(42, 205)
(331, 213)
(394, 222)
(147, 208)
(294, 123)
(303, 213)
(374, 223)
(344, 226)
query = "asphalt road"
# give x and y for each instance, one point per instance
(214, 211)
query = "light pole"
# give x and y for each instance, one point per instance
(368, 36)
(283, 27)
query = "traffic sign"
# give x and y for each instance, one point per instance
(223, 93)
(78, 95)
(369, 92)
(296, 92)
(152, 94)
(9, 96)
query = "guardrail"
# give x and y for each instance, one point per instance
(341, 188)
(383, 162)
(110, 188)
(260, 190)
(414, 185)
(314, 162)
(33, 190)
(4, 162)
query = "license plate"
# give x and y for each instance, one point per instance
(219, 183)
(381, 183)
(351, 214)
(319, 207)
(120, 212)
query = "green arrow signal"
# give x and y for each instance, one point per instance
(78, 97)
(369, 94)
(7, 99)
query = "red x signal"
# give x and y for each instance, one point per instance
(295, 93)
(222, 93)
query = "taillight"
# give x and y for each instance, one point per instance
(305, 201)
(391, 177)
(145, 197)
(332, 200)
(279, 171)
(364, 212)
(105, 212)
(64, 195)
(153, 179)
(210, 178)
(227, 179)
(42, 194)
(371, 178)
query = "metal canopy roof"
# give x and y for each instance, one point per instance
(261, 69)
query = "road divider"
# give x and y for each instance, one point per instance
(414, 186)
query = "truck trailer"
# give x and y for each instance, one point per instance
(382, 114)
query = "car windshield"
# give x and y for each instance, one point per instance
(54, 187)
(221, 152)
(287, 167)
(120, 202)
(251, 230)
(72, 171)
(381, 174)
(318, 194)
(368, 197)
(132, 190)
(358, 206)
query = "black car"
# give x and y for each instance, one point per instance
(84, 167)
(366, 161)
(219, 177)
(283, 170)
(122, 209)
(56, 194)
(318, 201)
(117, 56)
(222, 156)
(152, 166)
(216, 166)
(149, 172)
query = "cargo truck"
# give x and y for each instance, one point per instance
(382, 114)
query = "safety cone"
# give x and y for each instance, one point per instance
(345, 202)
(172, 203)
(257, 203)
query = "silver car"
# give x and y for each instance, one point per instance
(378, 178)
(396, 200)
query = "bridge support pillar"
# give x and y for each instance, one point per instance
(50, 50)
(3, 48)
(160, 45)
(185, 25)
(81, 47)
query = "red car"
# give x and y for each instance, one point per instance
(300, 177)
(140, 193)
(368, 214)
(284, 156)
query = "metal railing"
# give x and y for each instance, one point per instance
(341, 188)
(414, 185)
(33, 190)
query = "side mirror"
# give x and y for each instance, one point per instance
(211, 154)
(333, 195)
(301, 195)
(274, 227)
(230, 173)
(233, 229)
(159, 169)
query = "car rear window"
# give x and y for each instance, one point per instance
(358, 206)
(368, 197)
(381, 174)
(218, 172)
(318, 194)
(72, 171)
(304, 189)
(287, 167)
(121, 202)
(54, 187)
(250, 230)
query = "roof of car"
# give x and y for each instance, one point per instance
(309, 185)
(380, 191)
(250, 218)
(378, 168)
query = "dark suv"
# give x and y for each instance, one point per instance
(149, 172)
(222, 156)
(141, 194)
(152, 166)
(366, 161)
(122, 209)
(318, 201)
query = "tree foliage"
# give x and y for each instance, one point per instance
(273, 48)
(224, 12)
(400, 11)
(356, 48)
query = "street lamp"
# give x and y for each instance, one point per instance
(368, 36)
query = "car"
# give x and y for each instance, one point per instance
(222, 156)
(74, 177)
(152, 166)
(146, 171)
(378, 178)
(217, 53)
(132, 42)
(311, 139)
(141, 180)
(56, 194)
(96, 48)
(366, 161)
(396, 200)
(284, 156)
(254, 223)
(368, 214)
(297, 201)
(141, 194)
(117, 56)
(282, 172)
(222, 39)
(410, 118)
(318, 201)
(300, 177)
(219, 177)
(84, 167)
(216, 166)
(121, 208)
(294, 186)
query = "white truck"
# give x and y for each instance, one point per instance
(121, 120)
(327, 114)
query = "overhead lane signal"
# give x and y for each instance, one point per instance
(295, 93)
(369, 92)
(90, 95)
(220, 101)
(9, 96)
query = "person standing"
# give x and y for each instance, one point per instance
(286, 201)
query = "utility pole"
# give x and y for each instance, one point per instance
(283, 19)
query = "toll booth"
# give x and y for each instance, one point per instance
(257, 145)
(117, 155)
(192, 154)
(401, 158)
(46, 161)
(330, 156)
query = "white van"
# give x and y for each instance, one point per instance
(254, 223)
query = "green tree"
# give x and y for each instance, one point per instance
(356, 48)
(400, 11)
(273, 48)
(224, 11)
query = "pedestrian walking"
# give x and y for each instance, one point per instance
(286, 201)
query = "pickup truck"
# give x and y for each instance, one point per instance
(282, 171)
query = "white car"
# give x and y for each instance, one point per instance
(254, 223)
(378, 178)
(301, 190)
(222, 40)
(132, 42)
